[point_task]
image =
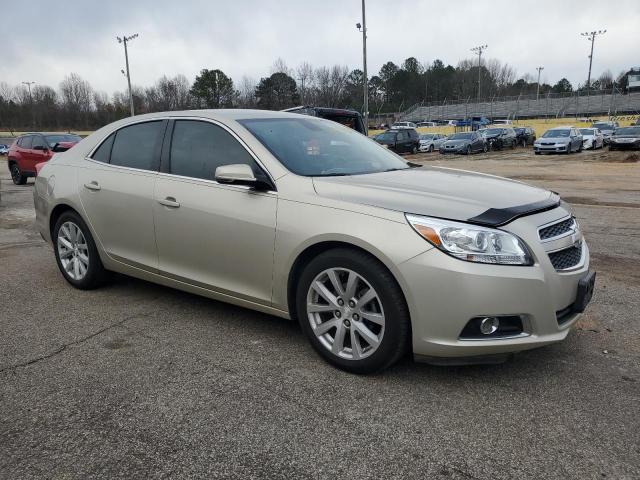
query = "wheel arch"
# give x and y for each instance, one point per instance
(55, 214)
(315, 249)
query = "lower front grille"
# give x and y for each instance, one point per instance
(567, 258)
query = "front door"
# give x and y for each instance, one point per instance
(208, 234)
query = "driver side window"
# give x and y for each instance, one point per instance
(38, 142)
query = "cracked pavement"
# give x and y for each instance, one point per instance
(138, 380)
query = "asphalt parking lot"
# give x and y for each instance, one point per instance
(137, 380)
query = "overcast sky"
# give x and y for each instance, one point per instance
(44, 41)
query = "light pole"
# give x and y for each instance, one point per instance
(33, 117)
(478, 51)
(538, 90)
(591, 36)
(124, 40)
(363, 29)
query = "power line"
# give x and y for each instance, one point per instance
(125, 40)
(478, 51)
(591, 36)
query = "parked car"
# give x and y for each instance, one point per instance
(559, 140)
(399, 125)
(374, 258)
(502, 121)
(4, 149)
(431, 141)
(607, 129)
(592, 138)
(525, 136)
(404, 140)
(33, 148)
(465, 143)
(499, 138)
(625, 138)
(348, 118)
(427, 124)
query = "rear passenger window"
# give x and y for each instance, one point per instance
(26, 142)
(103, 152)
(198, 148)
(136, 146)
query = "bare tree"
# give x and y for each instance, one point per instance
(247, 92)
(280, 66)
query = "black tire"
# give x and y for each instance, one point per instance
(468, 150)
(414, 150)
(580, 148)
(513, 144)
(485, 148)
(17, 176)
(568, 149)
(524, 143)
(537, 153)
(397, 330)
(431, 148)
(96, 274)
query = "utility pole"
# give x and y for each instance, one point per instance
(363, 29)
(33, 116)
(124, 40)
(478, 51)
(301, 79)
(591, 36)
(538, 90)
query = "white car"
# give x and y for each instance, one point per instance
(427, 124)
(592, 138)
(400, 125)
(431, 141)
(4, 149)
(504, 121)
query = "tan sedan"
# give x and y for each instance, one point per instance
(306, 219)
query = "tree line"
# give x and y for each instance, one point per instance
(75, 104)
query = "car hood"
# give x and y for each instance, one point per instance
(457, 143)
(441, 192)
(615, 137)
(554, 140)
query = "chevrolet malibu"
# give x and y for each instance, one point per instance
(306, 219)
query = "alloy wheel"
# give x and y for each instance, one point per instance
(73, 251)
(16, 175)
(345, 313)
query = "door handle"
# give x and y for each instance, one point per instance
(169, 202)
(92, 186)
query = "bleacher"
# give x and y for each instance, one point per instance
(527, 106)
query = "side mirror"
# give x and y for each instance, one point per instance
(236, 174)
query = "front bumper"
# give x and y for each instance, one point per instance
(456, 149)
(624, 145)
(550, 148)
(444, 293)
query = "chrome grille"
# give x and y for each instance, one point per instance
(566, 258)
(557, 229)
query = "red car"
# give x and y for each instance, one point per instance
(32, 148)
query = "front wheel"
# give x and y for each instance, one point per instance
(524, 143)
(414, 150)
(353, 311)
(430, 148)
(485, 148)
(17, 176)
(468, 151)
(76, 253)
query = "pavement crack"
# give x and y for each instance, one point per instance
(63, 347)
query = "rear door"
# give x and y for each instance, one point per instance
(213, 235)
(25, 161)
(116, 189)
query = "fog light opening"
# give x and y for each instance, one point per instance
(489, 325)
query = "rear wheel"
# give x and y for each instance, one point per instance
(76, 252)
(353, 311)
(17, 176)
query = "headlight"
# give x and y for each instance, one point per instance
(471, 242)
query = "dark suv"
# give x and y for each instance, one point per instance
(499, 138)
(405, 140)
(348, 118)
(32, 148)
(525, 136)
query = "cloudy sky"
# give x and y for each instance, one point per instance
(244, 37)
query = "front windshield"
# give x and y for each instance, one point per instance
(556, 133)
(53, 139)
(313, 147)
(587, 131)
(635, 131)
(426, 137)
(461, 136)
(493, 131)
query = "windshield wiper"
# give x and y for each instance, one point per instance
(395, 169)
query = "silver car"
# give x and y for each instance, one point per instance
(592, 138)
(431, 141)
(306, 219)
(559, 140)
